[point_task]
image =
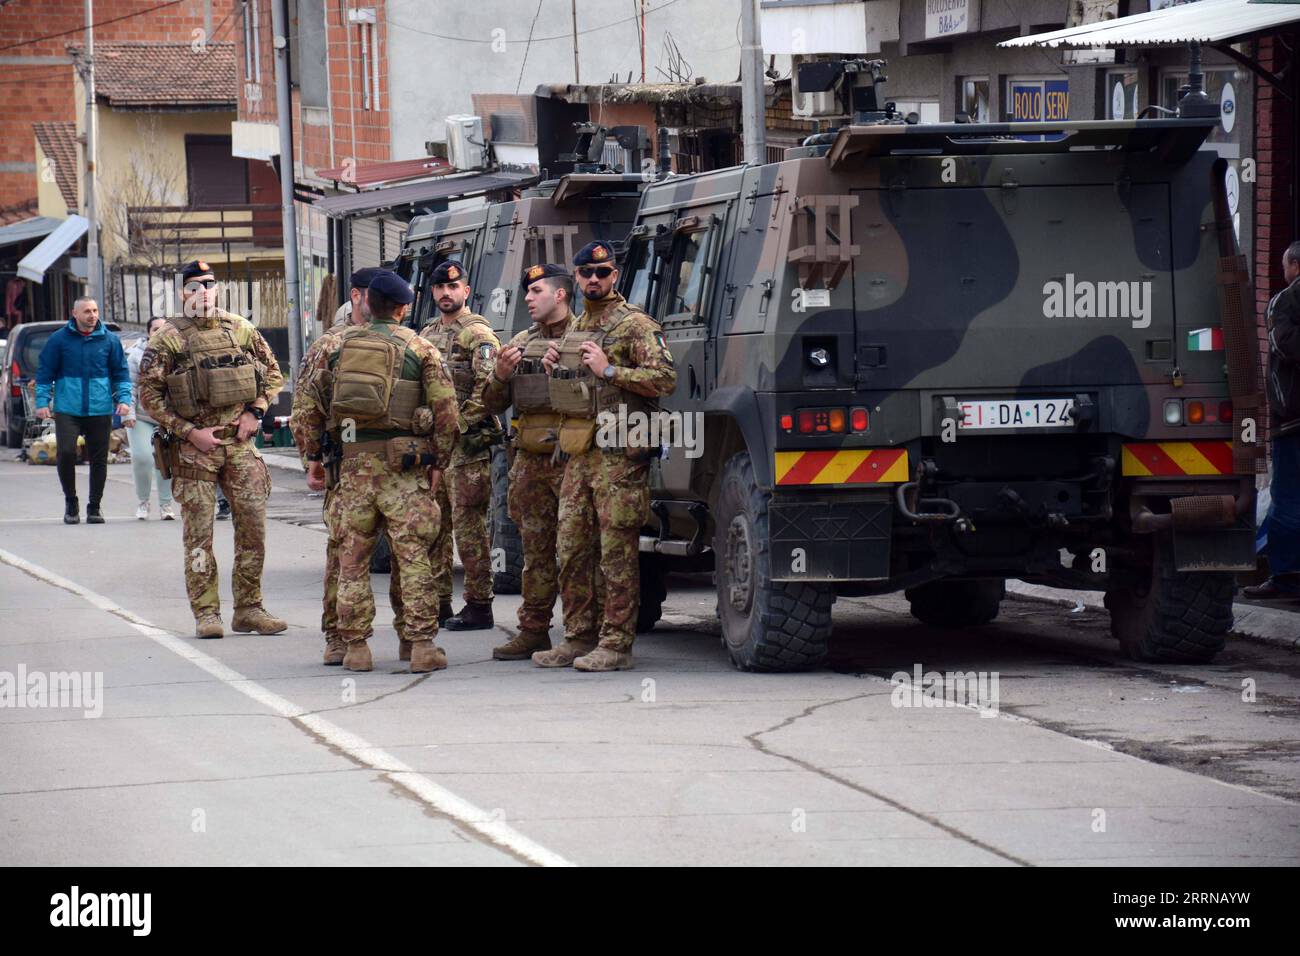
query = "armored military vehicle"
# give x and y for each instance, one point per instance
(934, 358)
(548, 223)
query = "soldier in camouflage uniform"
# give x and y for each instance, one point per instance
(469, 346)
(207, 378)
(618, 354)
(535, 472)
(354, 312)
(385, 471)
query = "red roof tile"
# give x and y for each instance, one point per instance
(165, 74)
(59, 144)
(18, 211)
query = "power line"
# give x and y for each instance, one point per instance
(96, 25)
(524, 63)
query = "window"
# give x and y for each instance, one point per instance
(252, 43)
(214, 176)
(927, 110)
(1121, 95)
(641, 267)
(973, 97)
(690, 266)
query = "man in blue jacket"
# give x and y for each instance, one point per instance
(81, 376)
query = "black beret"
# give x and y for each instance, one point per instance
(362, 278)
(595, 253)
(391, 286)
(543, 270)
(198, 269)
(449, 271)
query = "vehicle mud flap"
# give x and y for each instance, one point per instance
(1215, 549)
(844, 538)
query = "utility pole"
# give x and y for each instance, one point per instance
(289, 218)
(752, 100)
(573, 9)
(87, 70)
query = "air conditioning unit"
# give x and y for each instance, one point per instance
(465, 144)
(810, 105)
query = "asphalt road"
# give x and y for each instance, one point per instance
(249, 751)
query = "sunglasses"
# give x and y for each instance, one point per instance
(600, 272)
(205, 283)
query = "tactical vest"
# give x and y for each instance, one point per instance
(459, 361)
(215, 372)
(538, 424)
(368, 382)
(580, 397)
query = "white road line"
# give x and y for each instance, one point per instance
(433, 794)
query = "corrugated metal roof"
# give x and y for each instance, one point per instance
(1205, 21)
(36, 263)
(410, 194)
(372, 174)
(27, 229)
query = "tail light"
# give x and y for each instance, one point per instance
(821, 421)
(859, 420)
(1225, 412)
(787, 422)
(1195, 414)
(14, 389)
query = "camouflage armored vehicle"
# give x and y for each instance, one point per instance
(548, 223)
(933, 358)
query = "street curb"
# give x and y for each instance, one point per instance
(1263, 624)
(278, 460)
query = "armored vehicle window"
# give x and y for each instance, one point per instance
(641, 267)
(690, 263)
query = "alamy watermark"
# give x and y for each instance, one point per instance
(75, 690)
(662, 430)
(75, 908)
(978, 689)
(1084, 299)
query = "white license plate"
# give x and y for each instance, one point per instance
(1016, 413)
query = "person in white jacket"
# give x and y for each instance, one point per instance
(142, 439)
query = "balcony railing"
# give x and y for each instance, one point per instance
(185, 229)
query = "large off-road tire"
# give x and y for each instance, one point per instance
(955, 604)
(766, 626)
(1159, 614)
(505, 533)
(654, 589)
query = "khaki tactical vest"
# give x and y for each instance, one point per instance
(459, 360)
(215, 371)
(368, 386)
(580, 396)
(538, 424)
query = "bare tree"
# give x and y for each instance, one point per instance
(145, 235)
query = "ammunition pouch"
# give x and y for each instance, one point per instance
(181, 397)
(530, 389)
(407, 452)
(577, 435)
(537, 432)
(224, 381)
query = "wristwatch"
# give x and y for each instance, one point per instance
(609, 372)
(258, 413)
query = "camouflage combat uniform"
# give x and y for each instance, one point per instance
(605, 493)
(469, 347)
(304, 398)
(236, 465)
(371, 491)
(533, 502)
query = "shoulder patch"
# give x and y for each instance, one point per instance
(486, 350)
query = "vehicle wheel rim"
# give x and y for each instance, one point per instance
(740, 591)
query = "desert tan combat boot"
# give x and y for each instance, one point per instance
(335, 649)
(358, 656)
(403, 649)
(255, 618)
(426, 657)
(208, 624)
(522, 646)
(564, 655)
(604, 659)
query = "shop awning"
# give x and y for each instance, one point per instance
(36, 263)
(35, 228)
(1205, 21)
(417, 194)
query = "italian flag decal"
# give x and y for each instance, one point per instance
(1205, 340)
